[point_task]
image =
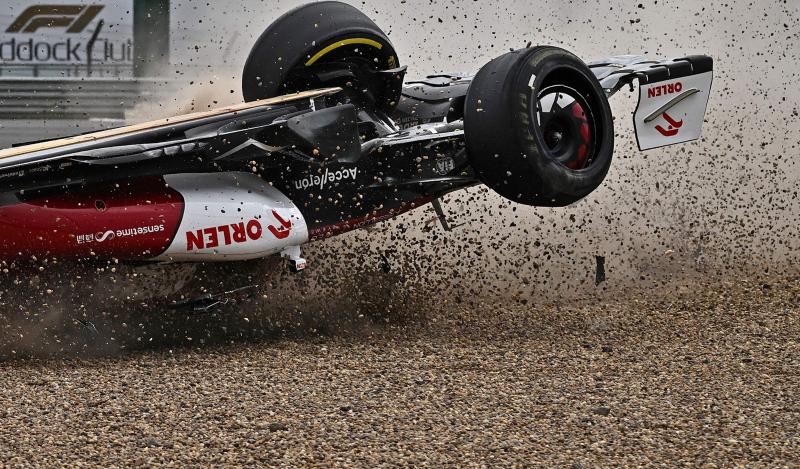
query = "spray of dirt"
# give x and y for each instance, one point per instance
(726, 204)
(88, 309)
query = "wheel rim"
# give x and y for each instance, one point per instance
(564, 122)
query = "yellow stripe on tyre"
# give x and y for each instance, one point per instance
(344, 42)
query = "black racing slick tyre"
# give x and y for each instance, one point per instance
(323, 44)
(538, 127)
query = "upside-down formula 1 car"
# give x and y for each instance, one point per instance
(330, 138)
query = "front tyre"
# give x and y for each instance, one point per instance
(538, 127)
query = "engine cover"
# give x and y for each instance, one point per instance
(131, 219)
(177, 217)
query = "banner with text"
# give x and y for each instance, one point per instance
(66, 32)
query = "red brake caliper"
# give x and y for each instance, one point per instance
(580, 160)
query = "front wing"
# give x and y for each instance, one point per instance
(673, 95)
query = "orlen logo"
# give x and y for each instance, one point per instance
(73, 17)
(210, 238)
(225, 235)
(673, 128)
(664, 90)
(282, 231)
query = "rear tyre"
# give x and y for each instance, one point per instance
(324, 44)
(538, 127)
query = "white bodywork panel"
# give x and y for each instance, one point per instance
(232, 216)
(671, 111)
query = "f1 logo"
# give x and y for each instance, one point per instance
(73, 17)
(283, 231)
(674, 126)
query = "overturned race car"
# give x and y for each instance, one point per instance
(330, 138)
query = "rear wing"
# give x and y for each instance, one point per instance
(673, 94)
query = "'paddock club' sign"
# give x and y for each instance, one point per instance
(66, 32)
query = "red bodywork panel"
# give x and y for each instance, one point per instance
(134, 219)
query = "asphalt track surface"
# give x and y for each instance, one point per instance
(704, 375)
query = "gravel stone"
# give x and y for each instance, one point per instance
(278, 427)
(604, 411)
(464, 388)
